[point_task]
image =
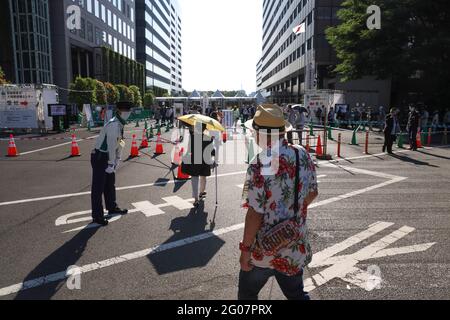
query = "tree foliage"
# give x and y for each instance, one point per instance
(112, 94)
(125, 94)
(82, 91)
(100, 93)
(137, 97)
(149, 99)
(2, 77)
(413, 42)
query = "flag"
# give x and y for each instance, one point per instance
(300, 29)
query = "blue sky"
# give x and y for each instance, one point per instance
(221, 43)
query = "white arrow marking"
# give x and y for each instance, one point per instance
(344, 267)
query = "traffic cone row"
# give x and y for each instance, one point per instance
(419, 140)
(176, 155)
(75, 152)
(308, 144)
(159, 147)
(180, 174)
(12, 149)
(134, 148)
(319, 150)
(144, 143)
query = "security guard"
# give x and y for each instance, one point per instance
(105, 160)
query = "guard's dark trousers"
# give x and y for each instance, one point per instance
(388, 142)
(413, 138)
(102, 184)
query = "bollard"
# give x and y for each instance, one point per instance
(354, 142)
(429, 137)
(339, 145)
(400, 141)
(330, 134)
(311, 129)
(367, 143)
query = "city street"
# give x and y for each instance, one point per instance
(379, 229)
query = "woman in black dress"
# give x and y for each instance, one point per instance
(198, 160)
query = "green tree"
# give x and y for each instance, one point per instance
(412, 47)
(82, 91)
(149, 99)
(125, 94)
(112, 94)
(100, 93)
(2, 77)
(137, 95)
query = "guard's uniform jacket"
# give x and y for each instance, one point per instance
(107, 152)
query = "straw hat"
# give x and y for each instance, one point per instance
(269, 117)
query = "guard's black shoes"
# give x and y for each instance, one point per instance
(102, 222)
(118, 211)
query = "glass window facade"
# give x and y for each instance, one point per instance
(31, 41)
(155, 23)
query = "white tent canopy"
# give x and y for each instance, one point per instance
(218, 95)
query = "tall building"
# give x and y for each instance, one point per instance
(104, 47)
(158, 28)
(293, 64)
(25, 54)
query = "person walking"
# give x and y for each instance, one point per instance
(424, 118)
(293, 115)
(413, 127)
(276, 198)
(435, 121)
(198, 160)
(446, 119)
(236, 116)
(105, 159)
(391, 129)
(245, 113)
(381, 117)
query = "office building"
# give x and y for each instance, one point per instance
(159, 44)
(293, 64)
(104, 47)
(25, 53)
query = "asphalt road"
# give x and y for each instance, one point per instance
(381, 222)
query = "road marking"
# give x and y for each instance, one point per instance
(55, 146)
(344, 267)
(140, 254)
(147, 208)
(72, 195)
(116, 260)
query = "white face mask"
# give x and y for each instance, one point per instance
(125, 115)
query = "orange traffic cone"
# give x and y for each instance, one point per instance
(12, 149)
(180, 174)
(159, 147)
(176, 155)
(144, 143)
(319, 151)
(419, 140)
(75, 149)
(224, 137)
(134, 148)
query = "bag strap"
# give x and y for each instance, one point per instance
(297, 180)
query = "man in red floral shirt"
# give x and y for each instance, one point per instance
(269, 196)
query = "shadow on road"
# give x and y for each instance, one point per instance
(433, 155)
(413, 161)
(67, 255)
(188, 256)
